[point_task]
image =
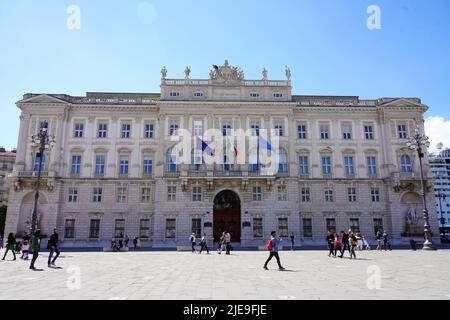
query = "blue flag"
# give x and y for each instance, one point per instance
(265, 144)
(202, 145)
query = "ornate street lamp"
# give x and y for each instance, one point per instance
(44, 142)
(442, 196)
(419, 142)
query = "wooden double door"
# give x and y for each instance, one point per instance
(228, 220)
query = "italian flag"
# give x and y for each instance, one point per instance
(231, 145)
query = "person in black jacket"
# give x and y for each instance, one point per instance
(345, 243)
(330, 241)
(53, 246)
(10, 245)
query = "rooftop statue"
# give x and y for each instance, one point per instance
(264, 74)
(163, 72)
(226, 73)
(288, 74)
(187, 72)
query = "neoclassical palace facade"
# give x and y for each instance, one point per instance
(343, 164)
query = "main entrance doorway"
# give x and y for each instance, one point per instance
(227, 215)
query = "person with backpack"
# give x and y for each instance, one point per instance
(10, 246)
(204, 244)
(330, 242)
(35, 246)
(353, 244)
(337, 244)
(272, 246)
(192, 241)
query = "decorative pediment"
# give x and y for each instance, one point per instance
(402, 103)
(226, 73)
(44, 98)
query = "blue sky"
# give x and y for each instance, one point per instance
(122, 45)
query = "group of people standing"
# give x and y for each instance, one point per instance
(223, 245)
(33, 244)
(352, 241)
(118, 243)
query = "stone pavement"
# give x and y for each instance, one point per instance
(400, 274)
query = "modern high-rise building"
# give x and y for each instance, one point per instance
(341, 163)
(440, 168)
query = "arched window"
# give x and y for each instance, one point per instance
(172, 160)
(405, 163)
(282, 161)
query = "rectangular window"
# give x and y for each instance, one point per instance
(94, 229)
(283, 227)
(148, 131)
(171, 193)
(146, 194)
(402, 131)
(126, 131)
(329, 195)
(197, 226)
(226, 129)
(326, 165)
(76, 164)
(282, 192)
(347, 132)
(368, 132)
(301, 131)
(375, 193)
(307, 228)
(331, 225)
(303, 167)
(73, 195)
(354, 225)
(173, 128)
(148, 165)
(170, 228)
(306, 195)
(371, 165)
(256, 193)
(100, 164)
(351, 192)
(349, 169)
(123, 164)
(196, 193)
(198, 128)
(78, 131)
(377, 225)
(121, 194)
(257, 228)
(144, 228)
(69, 229)
(119, 228)
(279, 131)
(37, 160)
(254, 126)
(97, 195)
(102, 130)
(324, 132)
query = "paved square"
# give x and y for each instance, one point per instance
(398, 274)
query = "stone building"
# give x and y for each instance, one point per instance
(7, 159)
(343, 164)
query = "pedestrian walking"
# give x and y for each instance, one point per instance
(35, 246)
(330, 242)
(53, 247)
(345, 243)
(126, 240)
(204, 244)
(272, 246)
(378, 240)
(193, 242)
(1, 241)
(353, 244)
(359, 239)
(337, 245)
(366, 243)
(292, 241)
(222, 243)
(135, 242)
(10, 246)
(228, 242)
(25, 249)
(386, 242)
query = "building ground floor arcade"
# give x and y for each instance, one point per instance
(164, 212)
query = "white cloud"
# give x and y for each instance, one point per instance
(438, 130)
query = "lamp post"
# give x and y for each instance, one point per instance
(417, 143)
(43, 141)
(442, 196)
